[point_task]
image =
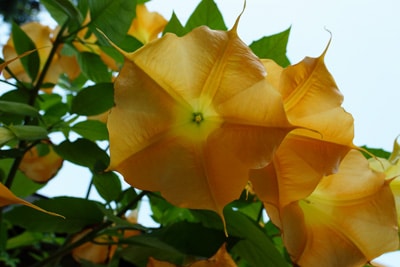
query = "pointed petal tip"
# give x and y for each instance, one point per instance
(234, 28)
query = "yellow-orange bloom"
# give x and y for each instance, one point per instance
(193, 114)
(40, 168)
(391, 167)
(42, 36)
(347, 220)
(147, 25)
(313, 102)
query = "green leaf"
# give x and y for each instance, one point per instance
(206, 13)
(126, 197)
(23, 43)
(85, 153)
(63, 10)
(175, 26)
(273, 47)
(128, 44)
(79, 213)
(112, 17)
(18, 108)
(25, 239)
(192, 238)
(254, 245)
(93, 67)
(28, 132)
(141, 247)
(378, 152)
(91, 129)
(93, 100)
(108, 185)
(165, 213)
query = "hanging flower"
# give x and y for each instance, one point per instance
(41, 36)
(193, 114)
(41, 167)
(147, 25)
(348, 220)
(313, 103)
(303, 188)
(391, 167)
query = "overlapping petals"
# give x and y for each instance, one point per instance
(313, 102)
(347, 220)
(391, 167)
(301, 189)
(193, 114)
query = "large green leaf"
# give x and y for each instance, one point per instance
(206, 13)
(165, 213)
(142, 247)
(93, 100)
(91, 129)
(79, 213)
(254, 246)
(85, 153)
(108, 185)
(273, 47)
(63, 10)
(93, 67)
(192, 238)
(112, 17)
(23, 43)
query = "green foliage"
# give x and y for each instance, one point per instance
(104, 14)
(93, 100)
(63, 11)
(93, 67)
(206, 13)
(273, 47)
(17, 108)
(92, 130)
(79, 213)
(85, 153)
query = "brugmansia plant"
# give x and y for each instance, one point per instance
(245, 159)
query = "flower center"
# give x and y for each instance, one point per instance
(197, 117)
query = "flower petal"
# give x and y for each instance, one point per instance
(8, 198)
(193, 131)
(359, 217)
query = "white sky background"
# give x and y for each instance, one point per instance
(363, 58)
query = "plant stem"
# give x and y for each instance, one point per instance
(87, 237)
